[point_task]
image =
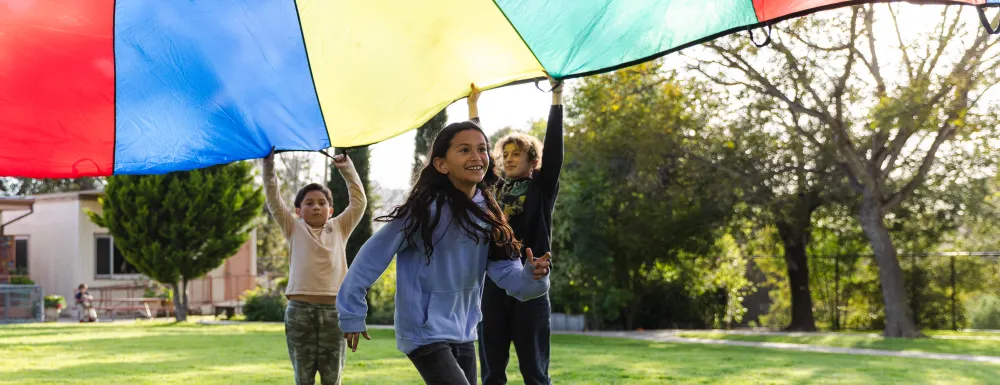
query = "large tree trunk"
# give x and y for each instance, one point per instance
(795, 238)
(898, 316)
(630, 313)
(180, 301)
(795, 229)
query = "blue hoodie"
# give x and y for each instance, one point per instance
(435, 302)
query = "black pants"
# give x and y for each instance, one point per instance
(526, 324)
(446, 364)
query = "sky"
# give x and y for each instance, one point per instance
(514, 106)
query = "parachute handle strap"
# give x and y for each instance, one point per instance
(767, 37)
(326, 153)
(559, 82)
(986, 21)
(342, 151)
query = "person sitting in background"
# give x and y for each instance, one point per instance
(85, 305)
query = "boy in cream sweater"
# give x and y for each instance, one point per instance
(316, 270)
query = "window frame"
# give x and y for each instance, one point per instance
(111, 263)
(27, 258)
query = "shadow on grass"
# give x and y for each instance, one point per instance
(604, 360)
(929, 345)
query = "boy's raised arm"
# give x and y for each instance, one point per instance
(552, 161)
(351, 217)
(273, 198)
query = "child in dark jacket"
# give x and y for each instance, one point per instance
(527, 195)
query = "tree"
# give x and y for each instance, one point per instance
(7, 186)
(29, 186)
(884, 117)
(177, 227)
(633, 221)
(337, 185)
(536, 129)
(424, 139)
(499, 134)
(272, 248)
(781, 180)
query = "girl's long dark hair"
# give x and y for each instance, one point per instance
(434, 188)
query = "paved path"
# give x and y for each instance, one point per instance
(993, 337)
(673, 336)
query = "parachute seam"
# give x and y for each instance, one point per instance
(512, 26)
(756, 15)
(114, 91)
(312, 76)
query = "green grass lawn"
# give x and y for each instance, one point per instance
(957, 342)
(163, 353)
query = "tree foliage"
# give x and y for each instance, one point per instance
(29, 186)
(177, 227)
(424, 139)
(885, 104)
(635, 225)
(360, 157)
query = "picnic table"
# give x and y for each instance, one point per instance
(133, 305)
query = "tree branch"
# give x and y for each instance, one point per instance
(894, 200)
(944, 41)
(803, 79)
(902, 46)
(840, 86)
(874, 67)
(947, 129)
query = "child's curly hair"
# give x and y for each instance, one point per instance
(526, 142)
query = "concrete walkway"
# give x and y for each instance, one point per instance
(673, 336)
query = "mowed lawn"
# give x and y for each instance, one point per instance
(167, 353)
(980, 344)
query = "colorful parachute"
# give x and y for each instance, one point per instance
(102, 87)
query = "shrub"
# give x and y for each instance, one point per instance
(157, 290)
(984, 312)
(264, 306)
(381, 298)
(18, 280)
(280, 284)
(55, 301)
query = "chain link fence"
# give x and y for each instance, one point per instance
(21, 303)
(944, 290)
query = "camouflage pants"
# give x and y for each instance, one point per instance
(315, 342)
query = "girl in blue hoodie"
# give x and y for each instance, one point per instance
(447, 236)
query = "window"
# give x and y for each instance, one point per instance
(21, 254)
(110, 261)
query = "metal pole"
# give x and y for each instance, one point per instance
(913, 288)
(954, 324)
(836, 293)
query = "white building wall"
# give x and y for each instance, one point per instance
(52, 243)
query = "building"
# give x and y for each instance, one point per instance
(59, 247)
